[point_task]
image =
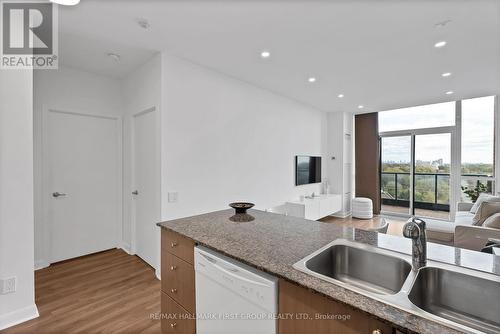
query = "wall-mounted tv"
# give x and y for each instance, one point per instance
(307, 170)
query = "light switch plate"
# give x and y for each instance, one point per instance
(173, 197)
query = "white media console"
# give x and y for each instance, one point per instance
(316, 207)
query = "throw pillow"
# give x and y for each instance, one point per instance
(492, 221)
(486, 209)
(483, 197)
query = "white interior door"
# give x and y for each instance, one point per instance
(83, 170)
(146, 187)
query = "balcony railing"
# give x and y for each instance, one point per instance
(431, 190)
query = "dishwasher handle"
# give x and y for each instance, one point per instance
(231, 271)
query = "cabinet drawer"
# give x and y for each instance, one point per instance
(177, 280)
(175, 318)
(178, 245)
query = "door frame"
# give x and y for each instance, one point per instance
(133, 235)
(46, 225)
(455, 174)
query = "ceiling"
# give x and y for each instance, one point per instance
(379, 54)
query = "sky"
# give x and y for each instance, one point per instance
(477, 131)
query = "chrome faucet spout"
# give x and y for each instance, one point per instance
(415, 230)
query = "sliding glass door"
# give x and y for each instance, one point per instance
(415, 174)
(395, 177)
(432, 175)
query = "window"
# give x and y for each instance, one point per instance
(428, 116)
(478, 123)
(433, 150)
(478, 145)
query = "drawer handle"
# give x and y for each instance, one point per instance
(377, 331)
(175, 291)
(173, 267)
(173, 325)
(173, 244)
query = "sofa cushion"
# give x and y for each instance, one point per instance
(463, 218)
(485, 210)
(492, 221)
(438, 230)
(483, 197)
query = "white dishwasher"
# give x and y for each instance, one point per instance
(232, 297)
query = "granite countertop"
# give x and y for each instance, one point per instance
(273, 243)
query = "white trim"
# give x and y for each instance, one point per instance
(45, 221)
(125, 246)
(40, 264)
(456, 161)
(18, 316)
(341, 214)
(416, 132)
(497, 144)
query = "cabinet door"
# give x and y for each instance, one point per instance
(312, 209)
(175, 318)
(302, 311)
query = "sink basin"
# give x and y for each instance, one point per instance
(468, 300)
(369, 270)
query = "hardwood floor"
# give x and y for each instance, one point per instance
(395, 224)
(108, 292)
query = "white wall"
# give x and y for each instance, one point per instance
(224, 140)
(72, 90)
(16, 195)
(141, 90)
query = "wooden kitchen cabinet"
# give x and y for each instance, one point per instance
(305, 306)
(301, 311)
(177, 284)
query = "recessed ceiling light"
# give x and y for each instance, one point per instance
(449, 92)
(143, 23)
(446, 74)
(265, 54)
(114, 56)
(440, 44)
(311, 79)
(361, 106)
(340, 96)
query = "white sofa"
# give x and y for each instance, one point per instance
(460, 233)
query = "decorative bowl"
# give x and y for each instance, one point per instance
(241, 207)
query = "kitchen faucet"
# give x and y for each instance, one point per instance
(415, 230)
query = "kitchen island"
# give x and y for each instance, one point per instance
(274, 243)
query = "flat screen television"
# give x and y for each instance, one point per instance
(307, 170)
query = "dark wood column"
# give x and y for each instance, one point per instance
(367, 158)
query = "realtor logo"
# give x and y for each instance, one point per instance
(29, 35)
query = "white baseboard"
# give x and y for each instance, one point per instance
(40, 264)
(126, 247)
(158, 274)
(18, 316)
(341, 214)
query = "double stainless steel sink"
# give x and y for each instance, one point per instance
(461, 298)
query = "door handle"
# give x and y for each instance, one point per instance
(135, 192)
(58, 194)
